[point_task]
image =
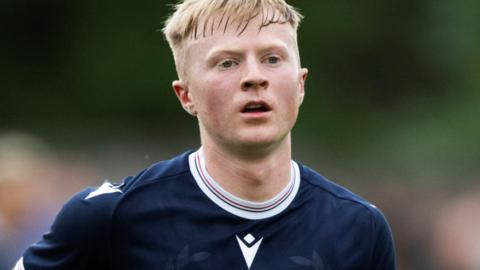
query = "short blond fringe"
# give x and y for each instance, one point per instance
(192, 19)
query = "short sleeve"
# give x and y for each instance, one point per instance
(78, 237)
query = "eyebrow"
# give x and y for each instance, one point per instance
(238, 51)
(274, 46)
(229, 51)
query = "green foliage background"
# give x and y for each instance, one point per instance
(393, 85)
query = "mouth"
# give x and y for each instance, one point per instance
(256, 107)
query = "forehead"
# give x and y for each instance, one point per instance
(239, 35)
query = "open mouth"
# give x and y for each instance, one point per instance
(256, 107)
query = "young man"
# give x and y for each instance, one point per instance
(238, 202)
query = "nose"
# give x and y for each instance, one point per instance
(254, 78)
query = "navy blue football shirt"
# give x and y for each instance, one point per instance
(174, 216)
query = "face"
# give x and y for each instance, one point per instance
(245, 89)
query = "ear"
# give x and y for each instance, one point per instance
(184, 96)
(301, 80)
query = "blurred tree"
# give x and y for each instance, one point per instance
(394, 81)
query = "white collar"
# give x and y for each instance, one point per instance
(235, 205)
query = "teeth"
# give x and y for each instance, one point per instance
(255, 106)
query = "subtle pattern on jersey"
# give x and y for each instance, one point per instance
(183, 259)
(315, 262)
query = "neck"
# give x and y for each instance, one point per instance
(254, 176)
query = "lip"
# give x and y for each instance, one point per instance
(264, 109)
(256, 103)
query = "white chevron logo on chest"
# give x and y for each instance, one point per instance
(249, 251)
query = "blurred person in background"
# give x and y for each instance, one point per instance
(455, 243)
(239, 201)
(32, 189)
(26, 207)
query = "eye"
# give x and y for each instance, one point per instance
(226, 64)
(273, 60)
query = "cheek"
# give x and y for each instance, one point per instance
(290, 94)
(213, 98)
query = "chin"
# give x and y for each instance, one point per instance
(259, 142)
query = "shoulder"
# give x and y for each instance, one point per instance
(334, 191)
(350, 205)
(79, 235)
(86, 213)
(351, 208)
(102, 200)
(157, 172)
(96, 205)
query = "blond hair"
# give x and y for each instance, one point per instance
(192, 19)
